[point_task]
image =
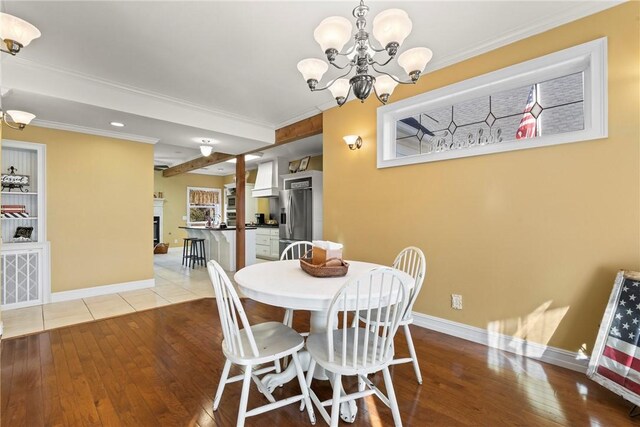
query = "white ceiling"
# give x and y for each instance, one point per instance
(171, 155)
(176, 70)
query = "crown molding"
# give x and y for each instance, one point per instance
(147, 93)
(29, 76)
(94, 131)
(579, 11)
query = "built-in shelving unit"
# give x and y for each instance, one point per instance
(25, 264)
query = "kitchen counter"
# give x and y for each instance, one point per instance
(220, 244)
(195, 227)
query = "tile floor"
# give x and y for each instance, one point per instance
(174, 284)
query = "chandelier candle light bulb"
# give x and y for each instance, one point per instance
(332, 34)
(391, 27)
(340, 90)
(312, 70)
(362, 74)
(414, 61)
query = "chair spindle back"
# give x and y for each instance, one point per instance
(296, 250)
(232, 315)
(412, 261)
(384, 289)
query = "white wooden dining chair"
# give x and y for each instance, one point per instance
(349, 350)
(295, 250)
(249, 346)
(411, 260)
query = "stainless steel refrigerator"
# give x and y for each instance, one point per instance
(296, 219)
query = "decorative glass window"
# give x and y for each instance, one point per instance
(555, 99)
(202, 203)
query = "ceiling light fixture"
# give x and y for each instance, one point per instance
(19, 118)
(16, 33)
(207, 146)
(390, 28)
(117, 124)
(247, 157)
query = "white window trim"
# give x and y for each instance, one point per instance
(218, 207)
(590, 58)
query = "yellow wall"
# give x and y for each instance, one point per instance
(174, 191)
(532, 239)
(99, 207)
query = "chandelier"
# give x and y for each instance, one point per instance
(390, 28)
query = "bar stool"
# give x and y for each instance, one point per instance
(186, 248)
(198, 256)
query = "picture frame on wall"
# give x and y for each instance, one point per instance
(293, 166)
(304, 164)
(617, 344)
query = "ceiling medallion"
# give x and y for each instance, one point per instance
(390, 28)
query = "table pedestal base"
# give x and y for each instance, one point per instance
(348, 410)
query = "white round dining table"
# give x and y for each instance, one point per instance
(284, 284)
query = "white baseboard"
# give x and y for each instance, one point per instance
(544, 353)
(102, 290)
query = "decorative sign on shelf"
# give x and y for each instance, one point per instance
(615, 361)
(13, 180)
(23, 233)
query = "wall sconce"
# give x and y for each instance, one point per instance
(19, 118)
(353, 141)
(16, 33)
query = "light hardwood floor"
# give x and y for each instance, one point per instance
(161, 367)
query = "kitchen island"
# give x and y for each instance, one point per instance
(220, 244)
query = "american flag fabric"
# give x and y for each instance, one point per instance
(619, 359)
(527, 128)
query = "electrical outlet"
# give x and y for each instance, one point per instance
(175, 240)
(456, 301)
(184, 217)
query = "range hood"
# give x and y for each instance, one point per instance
(268, 176)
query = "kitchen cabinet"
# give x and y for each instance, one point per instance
(250, 204)
(267, 242)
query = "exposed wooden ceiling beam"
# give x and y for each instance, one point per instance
(293, 132)
(298, 130)
(198, 163)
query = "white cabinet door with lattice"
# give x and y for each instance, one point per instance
(22, 277)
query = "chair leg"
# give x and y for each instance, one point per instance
(244, 397)
(303, 387)
(312, 367)
(335, 403)
(223, 382)
(391, 395)
(412, 353)
(288, 320)
(276, 364)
